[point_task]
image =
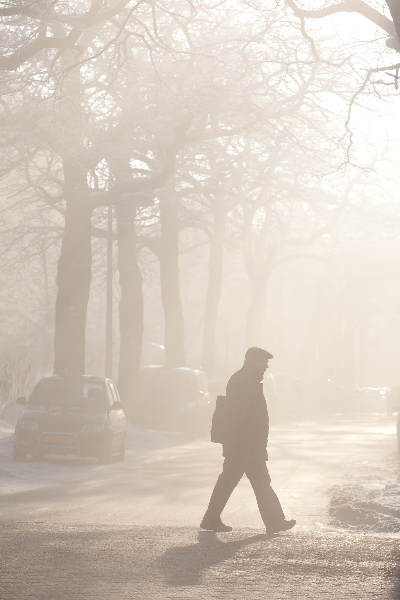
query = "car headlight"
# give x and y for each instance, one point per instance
(28, 425)
(93, 428)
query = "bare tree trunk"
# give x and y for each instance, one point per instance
(169, 275)
(75, 262)
(47, 343)
(131, 303)
(214, 284)
(73, 279)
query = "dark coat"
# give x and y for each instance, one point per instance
(247, 413)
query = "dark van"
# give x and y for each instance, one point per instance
(174, 399)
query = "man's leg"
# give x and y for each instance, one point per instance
(232, 473)
(268, 503)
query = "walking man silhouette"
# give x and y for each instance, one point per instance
(245, 440)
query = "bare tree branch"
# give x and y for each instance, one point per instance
(394, 8)
(13, 61)
(353, 6)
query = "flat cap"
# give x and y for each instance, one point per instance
(256, 352)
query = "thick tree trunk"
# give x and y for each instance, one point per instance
(73, 279)
(75, 262)
(131, 303)
(169, 275)
(47, 345)
(214, 284)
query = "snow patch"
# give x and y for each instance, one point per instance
(60, 469)
(366, 508)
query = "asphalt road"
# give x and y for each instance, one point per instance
(75, 529)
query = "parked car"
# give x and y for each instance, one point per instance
(63, 416)
(172, 399)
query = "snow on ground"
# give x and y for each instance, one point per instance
(20, 476)
(366, 508)
(368, 500)
(329, 474)
(71, 528)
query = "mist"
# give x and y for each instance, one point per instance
(181, 182)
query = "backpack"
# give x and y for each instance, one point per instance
(220, 421)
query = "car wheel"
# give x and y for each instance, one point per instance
(19, 453)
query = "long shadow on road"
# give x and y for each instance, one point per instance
(184, 565)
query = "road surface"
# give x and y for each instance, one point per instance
(75, 529)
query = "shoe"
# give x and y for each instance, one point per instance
(214, 525)
(282, 526)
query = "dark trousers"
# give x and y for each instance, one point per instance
(256, 470)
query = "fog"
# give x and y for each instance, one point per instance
(252, 177)
(198, 196)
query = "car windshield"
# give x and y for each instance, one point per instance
(60, 392)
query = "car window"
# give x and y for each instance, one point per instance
(93, 395)
(59, 392)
